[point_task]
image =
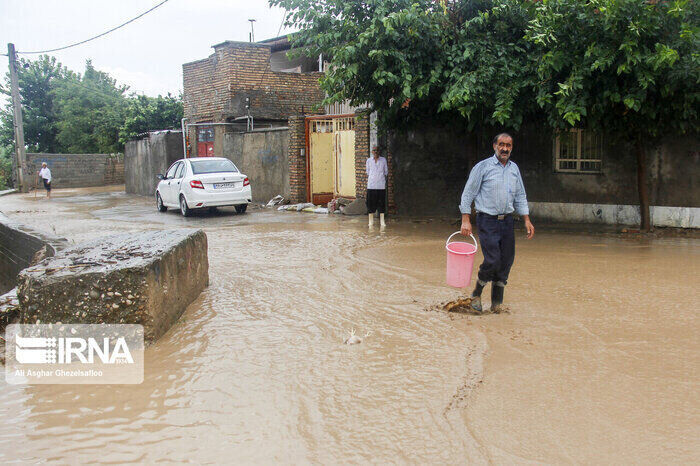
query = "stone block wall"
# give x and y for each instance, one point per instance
(78, 170)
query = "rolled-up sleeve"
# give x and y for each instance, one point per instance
(520, 200)
(471, 189)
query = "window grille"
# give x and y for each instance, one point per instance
(205, 134)
(578, 151)
(333, 125)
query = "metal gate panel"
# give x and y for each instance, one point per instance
(321, 157)
(345, 160)
(331, 158)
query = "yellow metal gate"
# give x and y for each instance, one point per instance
(331, 158)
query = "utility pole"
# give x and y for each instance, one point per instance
(252, 32)
(20, 151)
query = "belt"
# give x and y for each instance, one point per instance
(497, 217)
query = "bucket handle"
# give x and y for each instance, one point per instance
(476, 245)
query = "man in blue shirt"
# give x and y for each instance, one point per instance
(496, 188)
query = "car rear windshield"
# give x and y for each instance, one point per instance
(212, 166)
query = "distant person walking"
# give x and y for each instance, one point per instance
(496, 188)
(377, 171)
(45, 175)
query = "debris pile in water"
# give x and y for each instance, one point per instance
(461, 305)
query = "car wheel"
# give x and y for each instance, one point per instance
(159, 203)
(184, 210)
(213, 210)
(241, 208)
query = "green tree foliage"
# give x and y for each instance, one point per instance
(490, 66)
(383, 53)
(90, 111)
(628, 67)
(37, 79)
(65, 112)
(6, 155)
(150, 113)
(631, 65)
(423, 58)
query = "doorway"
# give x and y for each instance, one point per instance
(331, 161)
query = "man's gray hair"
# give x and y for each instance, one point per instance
(498, 136)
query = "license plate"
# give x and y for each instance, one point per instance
(224, 185)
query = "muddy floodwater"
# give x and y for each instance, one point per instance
(596, 362)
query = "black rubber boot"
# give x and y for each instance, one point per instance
(497, 289)
(476, 296)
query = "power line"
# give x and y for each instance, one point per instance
(97, 36)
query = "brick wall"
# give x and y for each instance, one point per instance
(79, 170)
(216, 87)
(297, 158)
(361, 153)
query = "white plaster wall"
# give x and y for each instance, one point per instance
(613, 214)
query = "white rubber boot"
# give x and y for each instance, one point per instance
(381, 220)
(371, 219)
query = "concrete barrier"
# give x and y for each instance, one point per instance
(19, 245)
(144, 278)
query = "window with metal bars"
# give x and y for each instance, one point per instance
(333, 125)
(578, 151)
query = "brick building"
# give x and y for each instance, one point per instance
(246, 87)
(244, 82)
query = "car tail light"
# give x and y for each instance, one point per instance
(246, 182)
(196, 184)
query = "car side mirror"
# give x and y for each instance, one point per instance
(160, 176)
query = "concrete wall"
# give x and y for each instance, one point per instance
(18, 245)
(79, 170)
(147, 157)
(263, 157)
(431, 166)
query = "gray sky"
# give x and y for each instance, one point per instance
(146, 55)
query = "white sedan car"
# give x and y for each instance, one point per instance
(203, 182)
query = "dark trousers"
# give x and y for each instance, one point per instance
(375, 200)
(497, 240)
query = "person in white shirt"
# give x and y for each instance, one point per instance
(45, 175)
(377, 171)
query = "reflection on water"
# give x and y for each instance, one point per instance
(601, 329)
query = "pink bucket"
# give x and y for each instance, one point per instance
(460, 260)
